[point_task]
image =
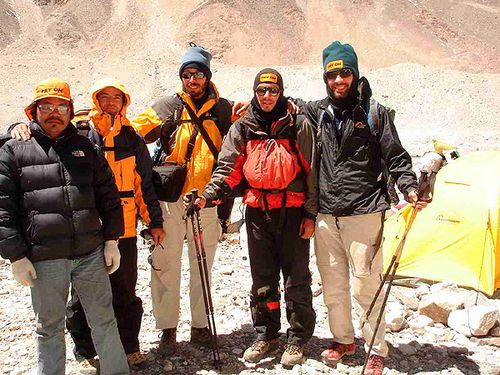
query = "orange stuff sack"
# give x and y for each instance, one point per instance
(270, 164)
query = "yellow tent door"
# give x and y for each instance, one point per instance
(456, 238)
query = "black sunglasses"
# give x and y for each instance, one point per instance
(188, 75)
(343, 73)
(274, 91)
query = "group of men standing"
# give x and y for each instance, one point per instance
(308, 167)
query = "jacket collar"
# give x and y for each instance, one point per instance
(39, 133)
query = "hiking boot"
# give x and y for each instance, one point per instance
(136, 358)
(293, 355)
(201, 336)
(259, 349)
(168, 341)
(88, 366)
(334, 353)
(375, 365)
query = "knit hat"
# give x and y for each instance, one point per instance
(50, 88)
(268, 75)
(339, 56)
(199, 58)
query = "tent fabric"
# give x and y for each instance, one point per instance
(456, 238)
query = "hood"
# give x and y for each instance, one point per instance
(102, 121)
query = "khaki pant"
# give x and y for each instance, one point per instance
(165, 283)
(348, 256)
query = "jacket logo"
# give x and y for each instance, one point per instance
(78, 153)
(359, 125)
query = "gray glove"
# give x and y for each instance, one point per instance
(111, 256)
(23, 271)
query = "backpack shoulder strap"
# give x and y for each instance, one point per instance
(373, 118)
(374, 122)
(319, 126)
(198, 123)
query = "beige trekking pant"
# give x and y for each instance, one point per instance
(348, 257)
(165, 283)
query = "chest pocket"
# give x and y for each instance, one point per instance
(361, 143)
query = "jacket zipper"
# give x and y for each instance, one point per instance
(66, 200)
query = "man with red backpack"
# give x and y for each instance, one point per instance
(272, 151)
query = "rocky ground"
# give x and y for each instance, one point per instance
(420, 347)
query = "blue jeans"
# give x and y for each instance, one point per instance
(49, 295)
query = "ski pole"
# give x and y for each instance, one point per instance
(391, 272)
(193, 212)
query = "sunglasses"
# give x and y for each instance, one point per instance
(63, 109)
(196, 75)
(274, 91)
(343, 73)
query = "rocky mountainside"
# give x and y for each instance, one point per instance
(434, 61)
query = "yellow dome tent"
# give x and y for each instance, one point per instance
(456, 238)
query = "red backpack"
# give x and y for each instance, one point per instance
(272, 163)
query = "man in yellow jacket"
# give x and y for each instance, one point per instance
(107, 126)
(169, 120)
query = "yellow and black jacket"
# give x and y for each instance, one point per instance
(128, 157)
(168, 120)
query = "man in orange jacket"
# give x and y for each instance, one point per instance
(170, 119)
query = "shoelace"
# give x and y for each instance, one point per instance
(136, 358)
(258, 345)
(293, 349)
(375, 361)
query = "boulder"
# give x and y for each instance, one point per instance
(474, 321)
(406, 296)
(493, 341)
(420, 322)
(495, 331)
(395, 319)
(444, 286)
(439, 305)
(472, 298)
(421, 291)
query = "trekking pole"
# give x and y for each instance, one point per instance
(193, 212)
(391, 272)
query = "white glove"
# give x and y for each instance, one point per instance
(23, 271)
(111, 256)
(430, 162)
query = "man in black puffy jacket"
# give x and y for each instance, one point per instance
(59, 205)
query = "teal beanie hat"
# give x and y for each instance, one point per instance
(339, 56)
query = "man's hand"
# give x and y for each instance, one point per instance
(21, 132)
(23, 271)
(415, 202)
(293, 108)
(111, 256)
(158, 235)
(201, 201)
(306, 228)
(239, 109)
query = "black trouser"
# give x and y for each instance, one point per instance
(224, 209)
(268, 256)
(127, 306)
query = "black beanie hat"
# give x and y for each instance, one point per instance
(199, 58)
(338, 56)
(268, 75)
